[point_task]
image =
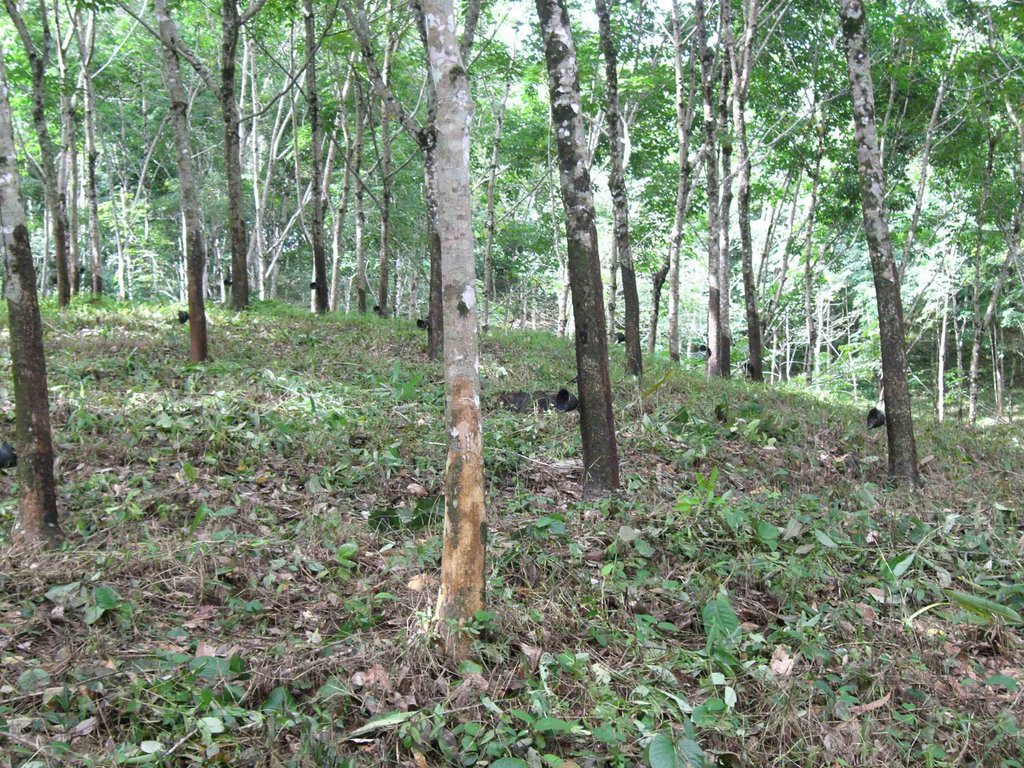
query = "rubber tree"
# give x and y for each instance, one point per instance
(617, 186)
(462, 559)
(597, 426)
(898, 417)
(54, 195)
(37, 517)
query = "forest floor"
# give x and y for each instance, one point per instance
(253, 546)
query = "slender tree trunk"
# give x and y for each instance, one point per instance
(684, 126)
(86, 45)
(972, 378)
(812, 329)
(742, 65)
(898, 418)
(620, 204)
(384, 260)
(940, 399)
(600, 452)
(360, 224)
(724, 130)
(556, 241)
(492, 177)
(55, 197)
(192, 236)
(316, 162)
(239, 275)
(775, 301)
(462, 561)
(715, 364)
(922, 184)
(37, 520)
(982, 322)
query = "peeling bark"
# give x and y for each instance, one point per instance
(462, 561)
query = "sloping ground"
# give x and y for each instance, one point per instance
(253, 547)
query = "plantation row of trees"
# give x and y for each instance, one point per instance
(218, 165)
(305, 167)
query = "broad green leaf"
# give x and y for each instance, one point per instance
(661, 752)
(510, 762)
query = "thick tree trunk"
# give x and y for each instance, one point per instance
(435, 307)
(316, 162)
(192, 236)
(742, 65)
(462, 561)
(55, 197)
(716, 366)
(898, 418)
(37, 520)
(600, 452)
(620, 204)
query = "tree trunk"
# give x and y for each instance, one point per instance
(37, 520)
(684, 193)
(940, 398)
(384, 259)
(742, 65)
(812, 329)
(492, 177)
(982, 322)
(724, 131)
(620, 204)
(462, 560)
(316, 162)
(715, 364)
(360, 234)
(600, 452)
(55, 197)
(86, 46)
(898, 418)
(230, 25)
(192, 236)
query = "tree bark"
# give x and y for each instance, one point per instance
(898, 417)
(384, 258)
(715, 364)
(812, 329)
(37, 521)
(670, 268)
(492, 177)
(360, 233)
(316, 162)
(86, 36)
(230, 27)
(617, 186)
(462, 560)
(725, 208)
(742, 66)
(600, 452)
(55, 197)
(192, 236)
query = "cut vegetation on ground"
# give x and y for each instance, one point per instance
(253, 548)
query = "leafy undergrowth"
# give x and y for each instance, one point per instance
(253, 546)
